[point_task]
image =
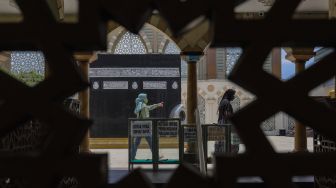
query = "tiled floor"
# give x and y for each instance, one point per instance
(118, 158)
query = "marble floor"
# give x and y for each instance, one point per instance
(118, 158)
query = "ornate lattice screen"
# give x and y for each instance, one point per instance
(58, 41)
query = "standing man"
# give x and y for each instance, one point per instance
(142, 111)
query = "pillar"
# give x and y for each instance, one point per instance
(191, 58)
(84, 60)
(191, 92)
(300, 56)
(300, 134)
(84, 98)
(276, 62)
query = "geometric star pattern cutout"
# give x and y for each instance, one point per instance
(39, 31)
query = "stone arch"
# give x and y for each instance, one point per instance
(163, 45)
(146, 42)
(196, 40)
(116, 34)
(118, 38)
(113, 37)
(184, 43)
(202, 93)
(165, 41)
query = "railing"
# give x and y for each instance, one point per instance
(159, 128)
(152, 129)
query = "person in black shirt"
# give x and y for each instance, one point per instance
(225, 111)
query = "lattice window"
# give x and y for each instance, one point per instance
(269, 124)
(130, 44)
(221, 63)
(232, 56)
(291, 126)
(172, 49)
(27, 61)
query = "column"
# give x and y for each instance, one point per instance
(276, 62)
(191, 58)
(300, 134)
(300, 56)
(84, 98)
(84, 60)
(191, 92)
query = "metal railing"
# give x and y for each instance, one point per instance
(154, 128)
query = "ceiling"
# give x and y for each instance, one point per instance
(71, 6)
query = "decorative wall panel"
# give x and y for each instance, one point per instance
(130, 44)
(134, 72)
(27, 61)
(154, 85)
